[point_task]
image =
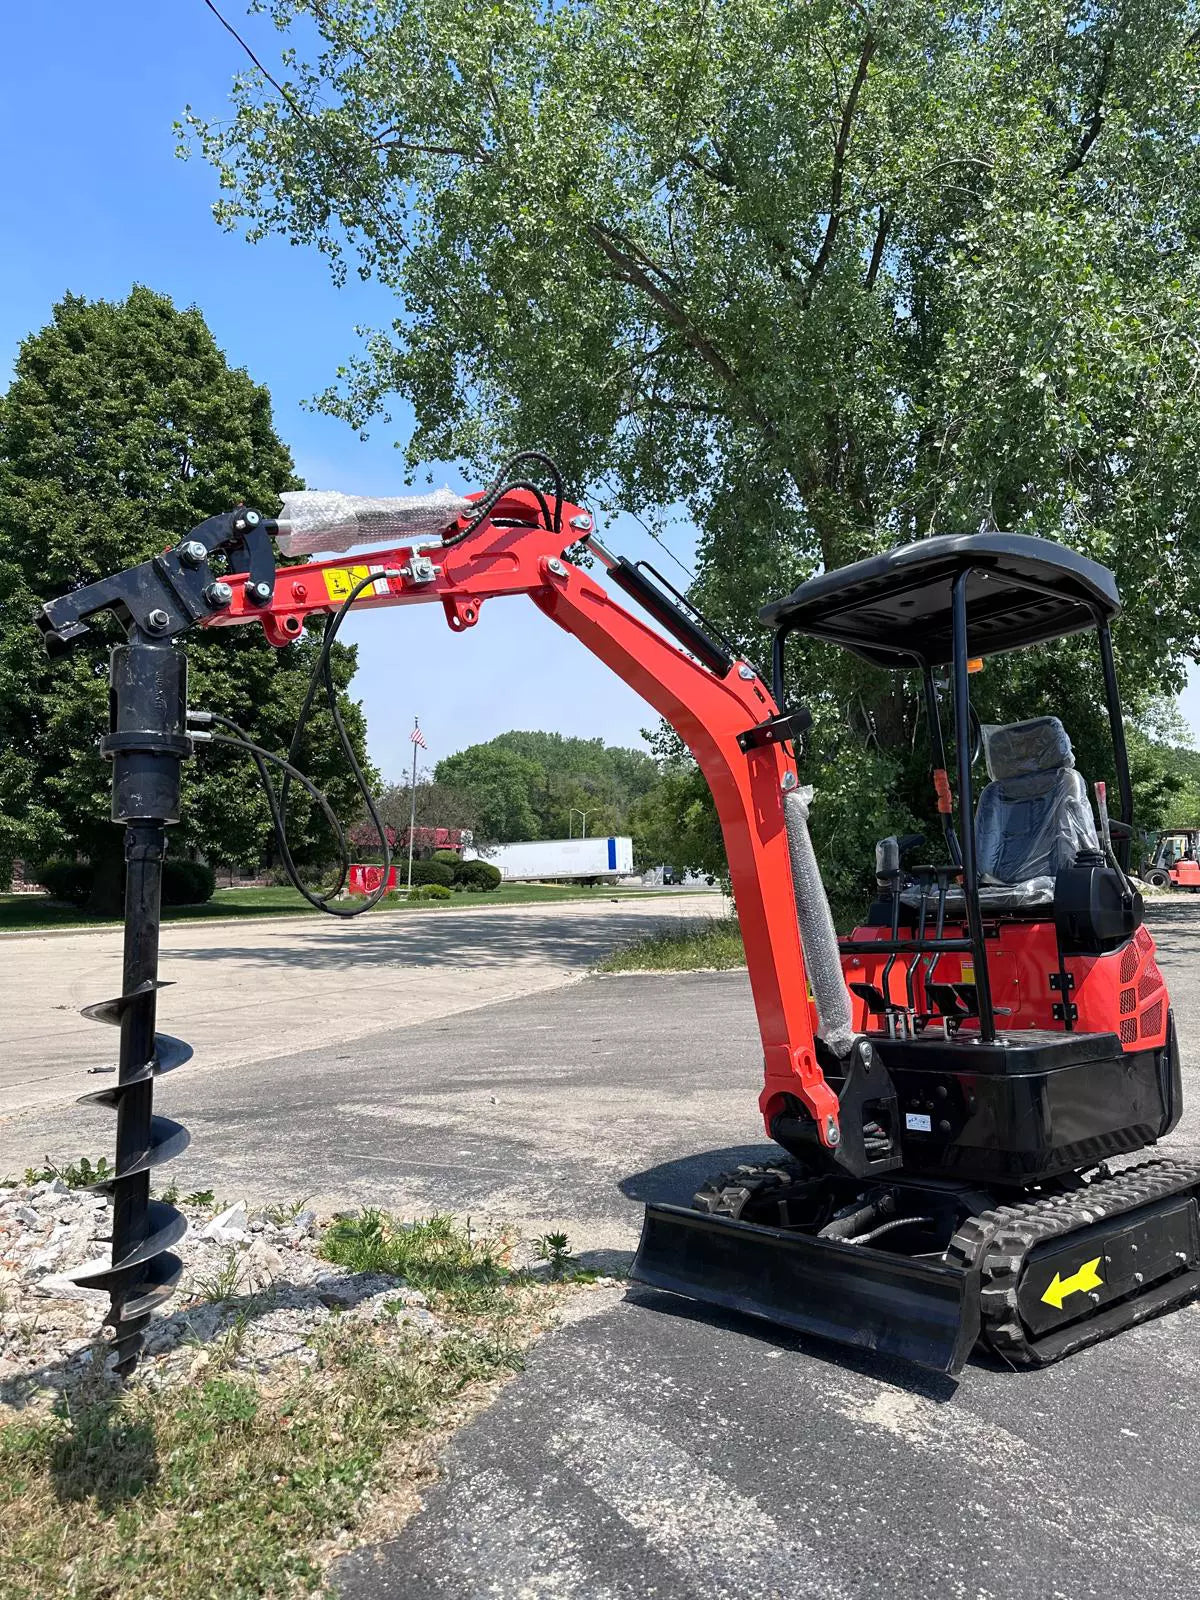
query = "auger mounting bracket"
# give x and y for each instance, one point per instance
(171, 592)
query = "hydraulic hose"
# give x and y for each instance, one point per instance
(321, 676)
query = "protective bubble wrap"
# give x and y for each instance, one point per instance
(817, 934)
(324, 520)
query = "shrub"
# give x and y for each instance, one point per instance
(187, 883)
(448, 858)
(477, 876)
(66, 880)
(429, 872)
(430, 891)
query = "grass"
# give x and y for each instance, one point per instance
(29, 912)
(81, 1174)
(690, 947)
(242, 1487)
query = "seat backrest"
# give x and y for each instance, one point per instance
(1034, 816)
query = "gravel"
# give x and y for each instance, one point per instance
(253, 1285)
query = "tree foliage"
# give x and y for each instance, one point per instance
(834, 276)
(535, 785)
(123, 427)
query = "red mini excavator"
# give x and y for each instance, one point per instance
(947, 1084)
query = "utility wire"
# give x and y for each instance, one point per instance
(388, 222)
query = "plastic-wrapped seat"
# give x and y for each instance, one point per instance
(1032, 818)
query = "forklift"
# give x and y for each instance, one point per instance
(947, 1085)
(1174, 861)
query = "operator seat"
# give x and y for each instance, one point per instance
(1032, 818)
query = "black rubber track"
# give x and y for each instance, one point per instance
(999, 1242)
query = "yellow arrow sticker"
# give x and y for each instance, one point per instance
(1086, 1278)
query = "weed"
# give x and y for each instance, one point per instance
(224, 1351)
(693, 945)
(285, 1212)
(237, 1487)
(223, 1283)
(556, 1249)
(81, 1174)
(466, 1272)
(171, 1193)
(199, 1197)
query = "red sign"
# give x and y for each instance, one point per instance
(365, 880)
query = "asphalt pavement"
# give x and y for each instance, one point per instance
(660, 1449)
(653, 1448)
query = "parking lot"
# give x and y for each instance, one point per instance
(652, 1448)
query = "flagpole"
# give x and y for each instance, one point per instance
(412, 816)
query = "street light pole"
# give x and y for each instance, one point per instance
(578, 811)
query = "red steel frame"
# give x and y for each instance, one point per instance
(510, 554)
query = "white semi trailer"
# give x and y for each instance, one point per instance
(600, 859)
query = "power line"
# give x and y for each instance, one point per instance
(368, 200)
(275, 84)
(380, 215)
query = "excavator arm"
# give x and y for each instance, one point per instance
(225, 573)
(719, 707)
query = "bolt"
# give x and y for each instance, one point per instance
(1139, 1277)
(832, 1135)
(218, 594)
(192, 552)
(746, 672)
(300, 591)
(252, 519)
(261, 592)
(867, 1054)
(557, 568)
(158, 619)
(583, 521)
(790, 780)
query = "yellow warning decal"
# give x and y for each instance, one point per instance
(340, 580)
(1086, 1278)
(968, 972)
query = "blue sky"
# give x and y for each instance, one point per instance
(95, 200)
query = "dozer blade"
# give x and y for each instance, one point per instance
(922, 1311)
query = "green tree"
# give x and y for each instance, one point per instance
(533, 785)
(124, 427)
(834, 276)
(499, 785)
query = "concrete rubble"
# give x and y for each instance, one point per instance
(254, 1288)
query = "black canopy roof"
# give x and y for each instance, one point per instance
(894, 608)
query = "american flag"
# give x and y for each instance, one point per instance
(418, 737)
